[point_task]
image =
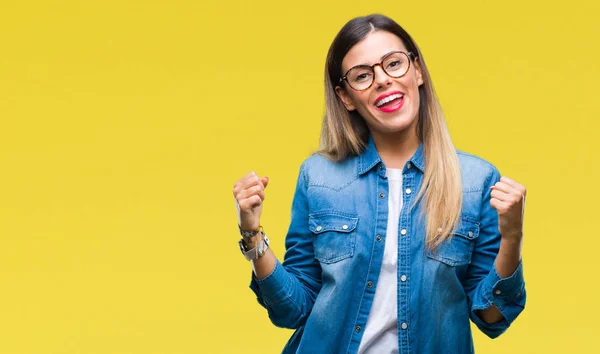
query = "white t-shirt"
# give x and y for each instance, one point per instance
(381, 330)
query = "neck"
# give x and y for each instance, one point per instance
(396, 148)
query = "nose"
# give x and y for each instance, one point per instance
(381, 79)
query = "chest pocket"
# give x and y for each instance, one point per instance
(334, 236)
(458, 249)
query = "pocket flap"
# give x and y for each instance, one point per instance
(467, 229)
(332, 222)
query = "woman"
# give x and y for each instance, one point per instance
(396, 239)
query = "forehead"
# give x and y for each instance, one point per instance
(370, 50)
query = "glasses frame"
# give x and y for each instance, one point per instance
(410, 55)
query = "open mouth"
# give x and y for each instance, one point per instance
(390, 103)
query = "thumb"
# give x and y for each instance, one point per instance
(265, 181)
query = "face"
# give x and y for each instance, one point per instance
(383, 117)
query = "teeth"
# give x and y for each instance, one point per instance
(388, 99)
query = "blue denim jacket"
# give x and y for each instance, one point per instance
(325, 287)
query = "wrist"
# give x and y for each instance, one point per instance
(513, 238)
(249, 226)
(249, 242)
(257, 249)
(249, 232)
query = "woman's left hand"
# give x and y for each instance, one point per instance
(508, 198)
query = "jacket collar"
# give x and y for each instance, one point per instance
(369, 158)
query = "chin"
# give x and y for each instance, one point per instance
(395, 124)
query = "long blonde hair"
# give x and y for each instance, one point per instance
(344, 133)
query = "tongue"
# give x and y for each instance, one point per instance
(390, 103)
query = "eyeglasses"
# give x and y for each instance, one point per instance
(394, 64)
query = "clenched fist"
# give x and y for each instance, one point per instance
(249, 193)
(508, 198)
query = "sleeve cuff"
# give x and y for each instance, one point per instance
(273, 288)
(507, 294)
(499, 290)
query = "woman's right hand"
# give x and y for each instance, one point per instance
(249, 193)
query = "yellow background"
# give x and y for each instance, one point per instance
(124, 124)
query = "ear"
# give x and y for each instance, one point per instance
(418, 72)
(346, 100)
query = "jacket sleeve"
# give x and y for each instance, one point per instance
(289, 292)
(483, 285)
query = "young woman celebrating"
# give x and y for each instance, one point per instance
(396, 238)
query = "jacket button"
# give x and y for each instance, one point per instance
(378, 238)
(370, 284)
(319, 228)
(345, 227)
(470, 234)
(381, 195)
(403, 278)
(403, 232)
(357, 329)
(408, 191)
(404, 325)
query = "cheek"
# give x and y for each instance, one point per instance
(360, 99)
(415, 94)
(417, 99)
(414, 87)
(414, 81)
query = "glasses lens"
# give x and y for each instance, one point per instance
(396, 64)
(360, 77)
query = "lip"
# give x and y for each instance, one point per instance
(393, 108)
(382, 96)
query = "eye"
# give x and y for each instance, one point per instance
(395, 64)
(362, 77)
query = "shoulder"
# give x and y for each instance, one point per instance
(318, 170)
(476, 172)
